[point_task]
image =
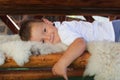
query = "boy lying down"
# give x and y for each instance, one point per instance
(74, 34)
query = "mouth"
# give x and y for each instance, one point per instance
(52, 38)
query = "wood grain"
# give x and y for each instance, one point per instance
(47, 61)
(60, 7)
(39, 67)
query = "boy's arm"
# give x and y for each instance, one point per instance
(73, 51)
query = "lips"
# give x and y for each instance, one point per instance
(52, 38)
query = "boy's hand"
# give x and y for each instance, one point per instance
(60, 69)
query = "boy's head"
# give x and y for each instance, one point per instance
(25, 29)
(37, 30)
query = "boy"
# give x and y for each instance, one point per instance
(75, 34)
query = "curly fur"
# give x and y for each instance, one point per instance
(104, 62)
(20, 51)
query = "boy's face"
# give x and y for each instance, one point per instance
(43, 32)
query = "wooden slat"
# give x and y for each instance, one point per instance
(60, 7)
(47, 61)
(33, 74)
(39, 67)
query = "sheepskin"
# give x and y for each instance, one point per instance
(104, 62)
(20, 51)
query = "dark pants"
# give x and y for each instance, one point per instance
(116, 26)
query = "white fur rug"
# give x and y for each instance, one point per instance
(12, 46)
(104, 62)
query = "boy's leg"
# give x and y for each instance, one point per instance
(116, 26)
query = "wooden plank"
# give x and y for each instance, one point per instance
(39, 67)
(73, 3)
(60, 7)
(47, 61)
(33, 74)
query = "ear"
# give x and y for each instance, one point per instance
(47, 21)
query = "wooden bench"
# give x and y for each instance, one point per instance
(39, 67)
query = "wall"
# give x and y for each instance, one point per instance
(4, 29)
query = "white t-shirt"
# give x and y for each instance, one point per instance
(96, 31)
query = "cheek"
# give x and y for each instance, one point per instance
(35, 37)
(50, 30)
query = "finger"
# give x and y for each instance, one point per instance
(65, 77)
(53, 71)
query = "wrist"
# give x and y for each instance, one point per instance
(63, 62)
